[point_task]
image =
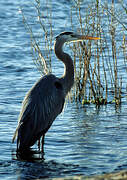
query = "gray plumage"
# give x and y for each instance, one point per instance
(45, 100)
(40, 107)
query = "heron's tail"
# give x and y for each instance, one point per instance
(16, 133)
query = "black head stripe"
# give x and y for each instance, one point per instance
(64, 33)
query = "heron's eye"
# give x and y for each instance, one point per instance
(58, 85)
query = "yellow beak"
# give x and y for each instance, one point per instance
(89, 37)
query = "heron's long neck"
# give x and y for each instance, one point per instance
(68, 77)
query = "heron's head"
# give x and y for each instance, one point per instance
(73, 37)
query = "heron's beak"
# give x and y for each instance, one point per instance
(76, 38)
(82, 37)
(88, 37)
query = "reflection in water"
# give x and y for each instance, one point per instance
(31, 164)
(30, 155)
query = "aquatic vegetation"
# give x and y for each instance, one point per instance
(99, 66)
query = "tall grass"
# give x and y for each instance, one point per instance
(96, 64)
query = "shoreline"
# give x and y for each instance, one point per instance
(120, 175)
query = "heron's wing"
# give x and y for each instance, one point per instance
(40, 107)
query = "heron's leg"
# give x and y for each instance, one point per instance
(39, 144)
(42, 143)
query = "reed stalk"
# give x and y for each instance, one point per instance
(97, 77)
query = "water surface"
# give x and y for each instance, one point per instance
(83, 140)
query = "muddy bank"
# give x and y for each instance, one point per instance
(121, 175)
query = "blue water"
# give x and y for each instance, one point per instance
(83, 140)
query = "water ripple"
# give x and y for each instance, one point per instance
(82, 140)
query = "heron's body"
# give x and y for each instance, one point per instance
(40, 108)
(45, 100)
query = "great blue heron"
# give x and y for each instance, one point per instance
(45, 99)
